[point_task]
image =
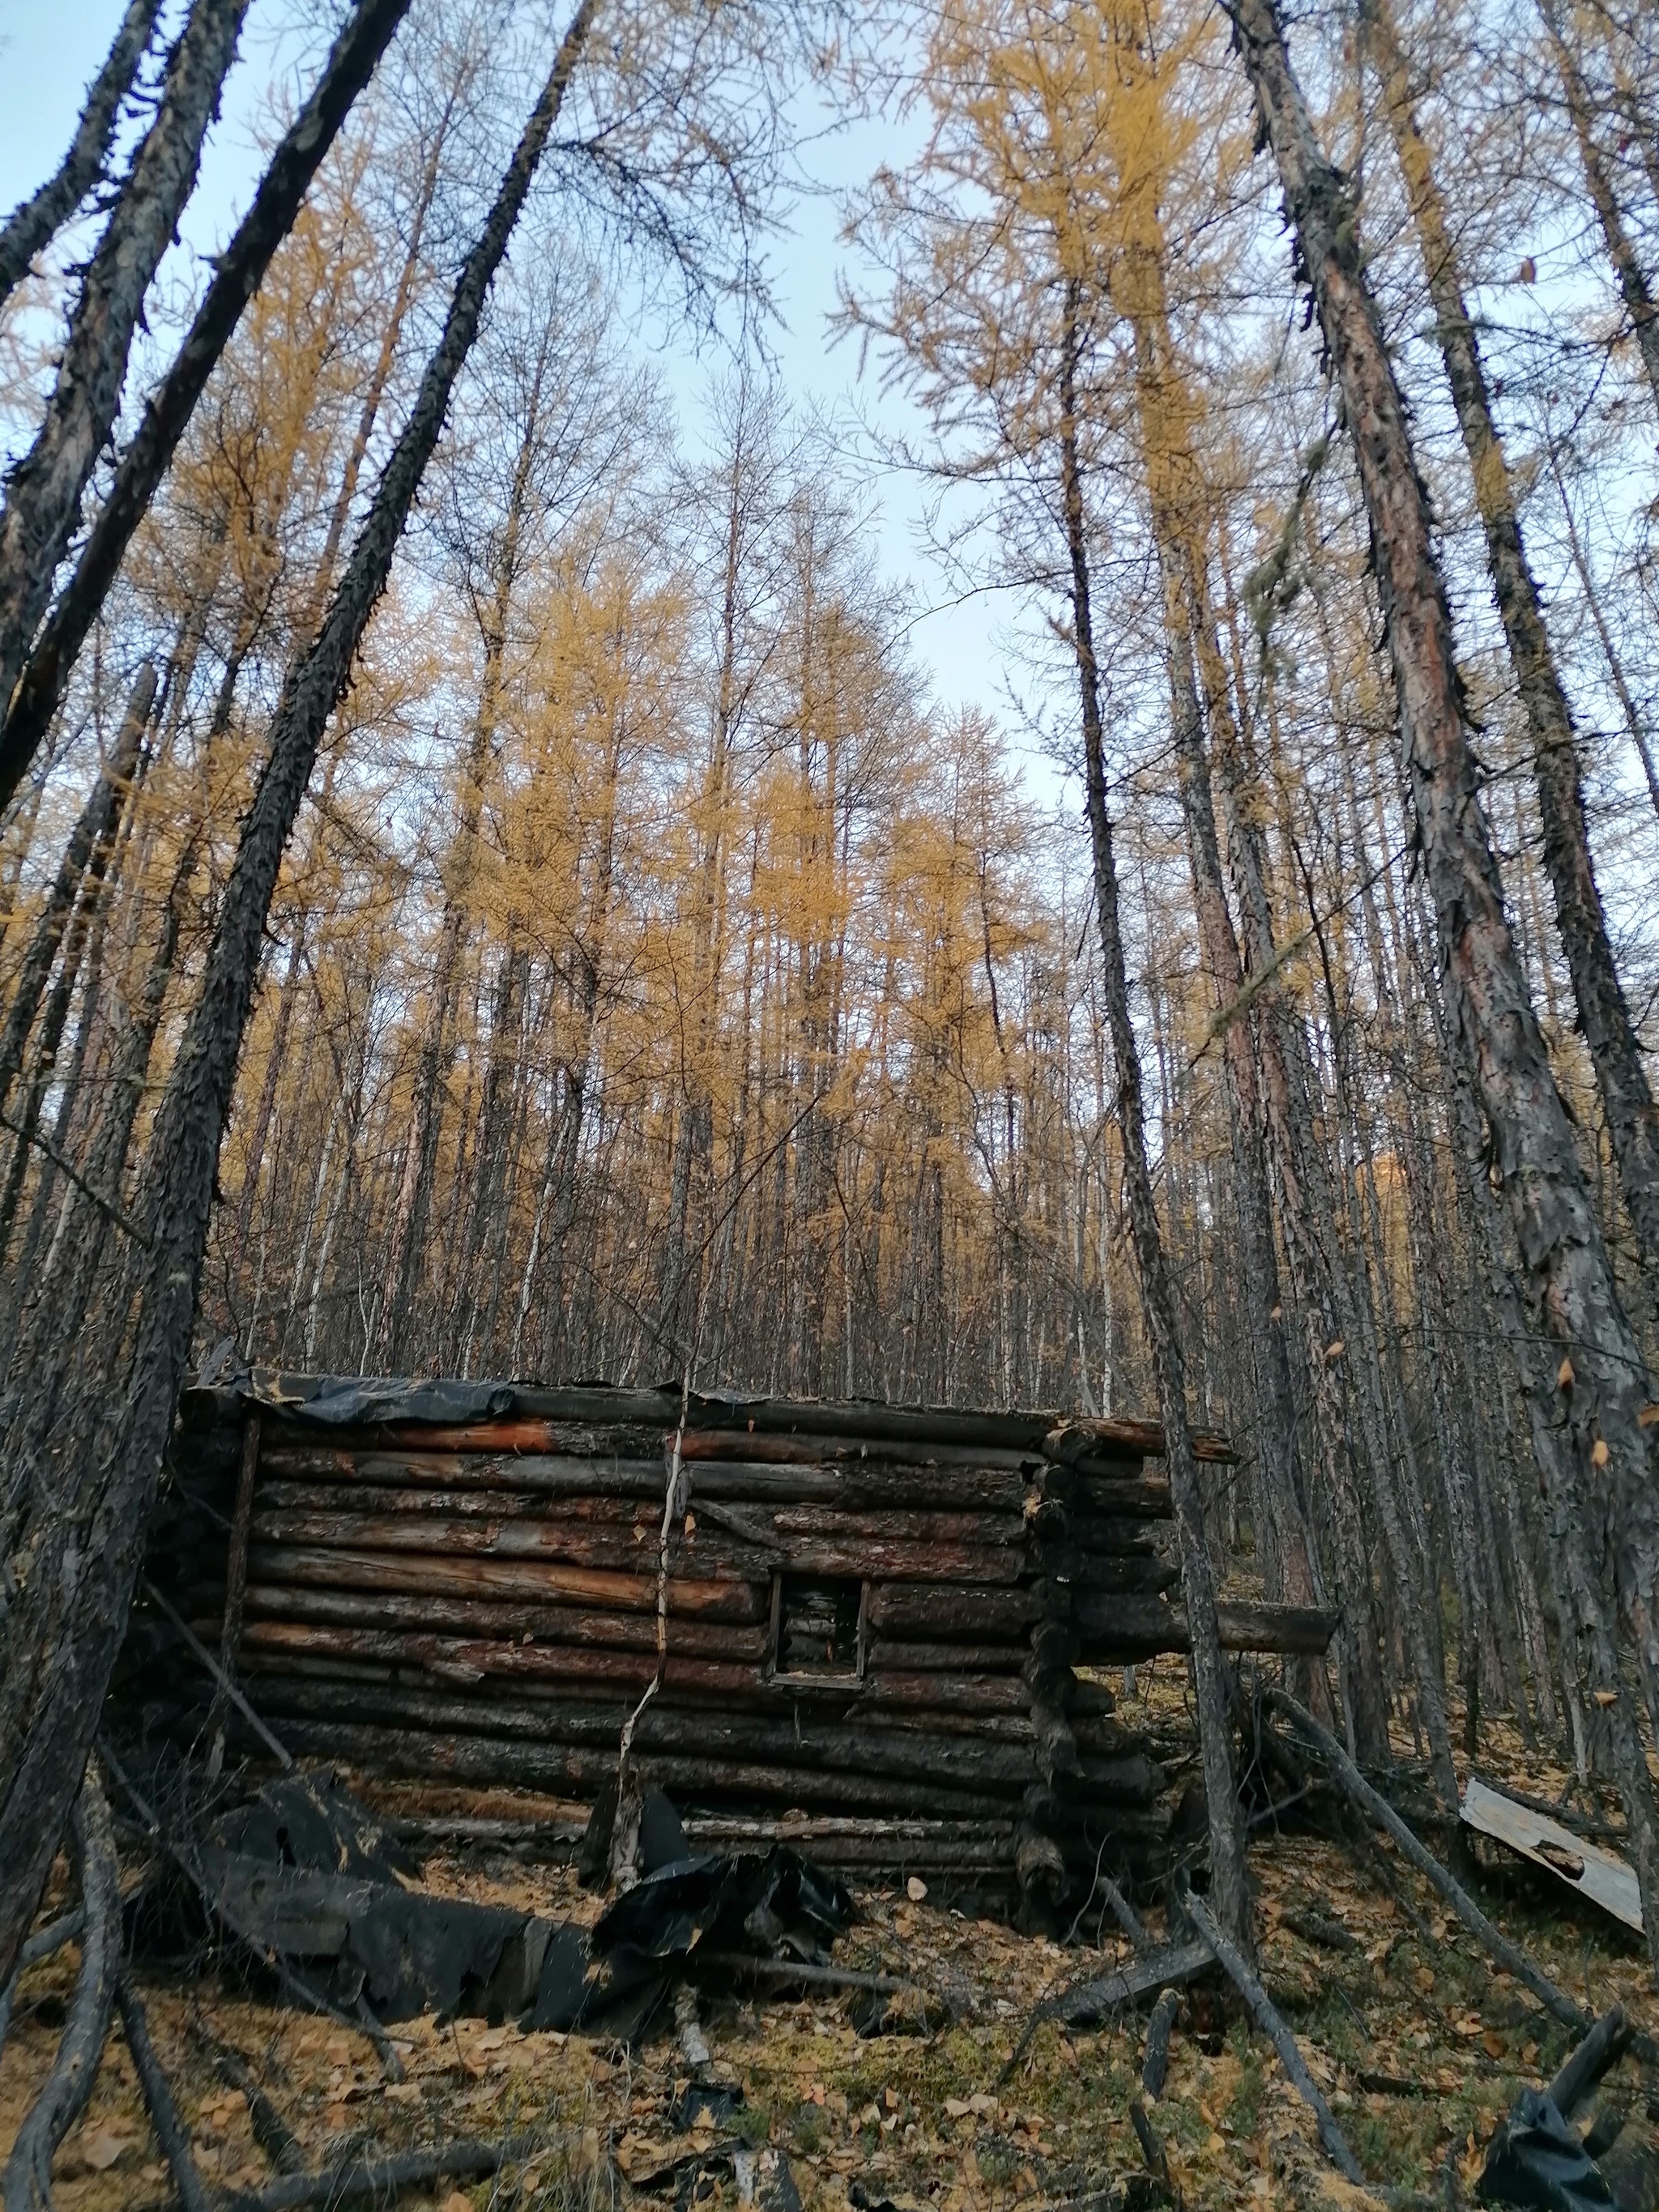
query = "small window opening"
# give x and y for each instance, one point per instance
(817, 1623)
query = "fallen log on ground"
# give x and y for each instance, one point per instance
(1087, 2004)
(1508, 1956)
(1262, 2011)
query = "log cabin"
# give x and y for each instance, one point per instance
(877, 1630)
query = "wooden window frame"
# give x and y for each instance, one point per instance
(814, 1679)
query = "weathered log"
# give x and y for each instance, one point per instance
(563, 1769)
(454, 1576)
(631, 1631)
(1080, 1439)
(383, 2179)
(474, 1659)
(957, 1658)
(1098, 1578)
(965, 1760)
(996, 1693)
(712, 1556)
(953, 1610)
(1155, 2066)
(1129, 1627)
(377, 1493)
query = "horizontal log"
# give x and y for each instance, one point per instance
(853, 1483)
(477, 1659)
(793, 1739)
(630, 1631)
(409, 1754)
(1081, 1437)
(741, 1830)
(950, 1610)
(611, 1516)
(1095, 1574)
(958, 1658)
(1128, 1628)
(985, 1693)
(847, 1454)
(1126, 1499)
(709, 1555)
(457, 1575)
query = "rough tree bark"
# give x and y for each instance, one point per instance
(1495, 1032)
(1229, 1888)
(34, 223)
(1603, 1016)
(70, 1582)
(237, 273)
(43, 493)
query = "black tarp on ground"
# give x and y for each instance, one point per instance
(304, 1874)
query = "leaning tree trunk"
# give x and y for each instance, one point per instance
(1634, 287)
(35, 222)
(1603, 1016)
(237, 274)
(1229, 1890)
(43, 492)
(92, 1486)
(94, 828)
(1495, 1032)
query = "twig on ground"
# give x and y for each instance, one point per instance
(1507, 1954)
(170, 2133)
(27, 2182)
(270, 2131)
(1265, 2016)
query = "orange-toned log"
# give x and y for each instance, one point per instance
(474, 1659)
(461, 1574)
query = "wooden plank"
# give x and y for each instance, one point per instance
(1601, 1876)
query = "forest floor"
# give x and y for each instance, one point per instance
(1419, 2042)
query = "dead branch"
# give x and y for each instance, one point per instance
(1097, 1999)
(170, 2133)
(1155, 2066)
(381, 2178)
(1585, 2066)
(27, 2182)
(270, 2131)
(1266, 2017)
(41, 1945)
(1508, 1956)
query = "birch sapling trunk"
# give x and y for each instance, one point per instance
(237, 274)
(1600, 1379)
(1603, 1016)
(91, 1488)
(1230, 1892)
(44, 491)
(34, 223)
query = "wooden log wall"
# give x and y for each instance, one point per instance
(874, 1616)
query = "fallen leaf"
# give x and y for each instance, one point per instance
(915, 1889)
(1564, 1374)
(105, 2148)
